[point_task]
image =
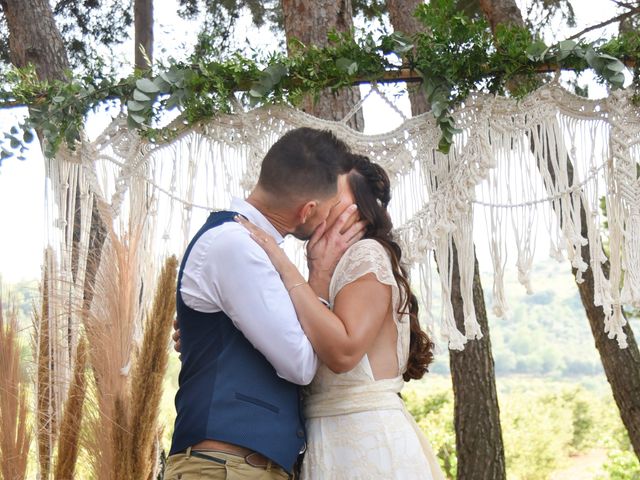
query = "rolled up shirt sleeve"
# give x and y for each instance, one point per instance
(236, 275)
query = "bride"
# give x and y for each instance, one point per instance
(369, 341)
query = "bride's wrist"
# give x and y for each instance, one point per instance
(290, 275)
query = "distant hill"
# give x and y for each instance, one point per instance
(543, 333)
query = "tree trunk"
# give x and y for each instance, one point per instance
(621, 366)
(402, 20)
(310, 23)
(34, 38)
(479, 445)
(504, 12)
(143, 19)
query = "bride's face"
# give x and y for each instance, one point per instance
(344, 199)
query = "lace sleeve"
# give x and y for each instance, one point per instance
(365, 256)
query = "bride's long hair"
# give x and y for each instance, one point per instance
(372, 191)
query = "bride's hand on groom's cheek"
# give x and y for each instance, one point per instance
(331, 239)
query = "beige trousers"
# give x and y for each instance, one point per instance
(221, 466)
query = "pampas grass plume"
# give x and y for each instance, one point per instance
(69, 440)
(148, 373)
(15, 435)
(45, 413)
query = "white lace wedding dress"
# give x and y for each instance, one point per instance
(357, 426)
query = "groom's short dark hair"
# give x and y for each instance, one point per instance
(305, 162)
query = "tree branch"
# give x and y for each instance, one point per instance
(622, 16)
(623, 4)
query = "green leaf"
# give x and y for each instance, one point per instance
(565, 48)
(147, 86)
(616, 66)
(140, 97)
(344, 64)
(594, 60)
(139, 119)
(57, 99)
(258, 90)
(170, 76)
(443, 145)
(276, 72)
(429, 88)
(437, 108)
(175, 99)
(162, 85)
(14, 142)
(617, 80)
(536, 51)
(27, 136)
(447, 134)
(134, 106)
(71, 135)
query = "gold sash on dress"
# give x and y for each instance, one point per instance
(378, 395)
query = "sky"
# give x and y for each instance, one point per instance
(22, 183)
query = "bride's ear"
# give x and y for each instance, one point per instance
(307, 211)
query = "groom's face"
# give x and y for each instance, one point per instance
(328, 210)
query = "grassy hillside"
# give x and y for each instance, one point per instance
(546, 333)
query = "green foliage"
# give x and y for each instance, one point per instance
(434, 415)
(582, 415)
(622, 463)
(544, 423)
(456, 55)
(526, 420)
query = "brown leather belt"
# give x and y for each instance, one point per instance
(252, 457)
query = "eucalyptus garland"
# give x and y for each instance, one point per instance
(454, 56)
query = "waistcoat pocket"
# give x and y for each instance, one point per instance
(257, 401)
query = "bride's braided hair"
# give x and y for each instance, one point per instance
(372, 191)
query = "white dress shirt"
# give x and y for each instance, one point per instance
(228, 271)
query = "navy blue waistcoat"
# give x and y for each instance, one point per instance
(228, 391)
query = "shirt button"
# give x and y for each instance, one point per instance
(300, 433)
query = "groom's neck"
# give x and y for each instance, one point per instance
(279, 217)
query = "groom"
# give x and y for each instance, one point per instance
(243, 351)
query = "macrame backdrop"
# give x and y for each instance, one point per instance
(522, 166)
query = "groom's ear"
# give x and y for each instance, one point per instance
(307, 210)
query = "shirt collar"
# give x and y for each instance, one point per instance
(254, 216)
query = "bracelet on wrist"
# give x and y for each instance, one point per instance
(294, 286)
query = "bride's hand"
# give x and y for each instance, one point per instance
(330, 240)
(277, 256)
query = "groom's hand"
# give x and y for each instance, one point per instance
(329, 242)
(176, 336)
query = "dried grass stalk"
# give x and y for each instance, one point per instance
(148, 373)
(46, 421)
(109, 327)
(121, 441)
(15, 435)
(69, 439)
